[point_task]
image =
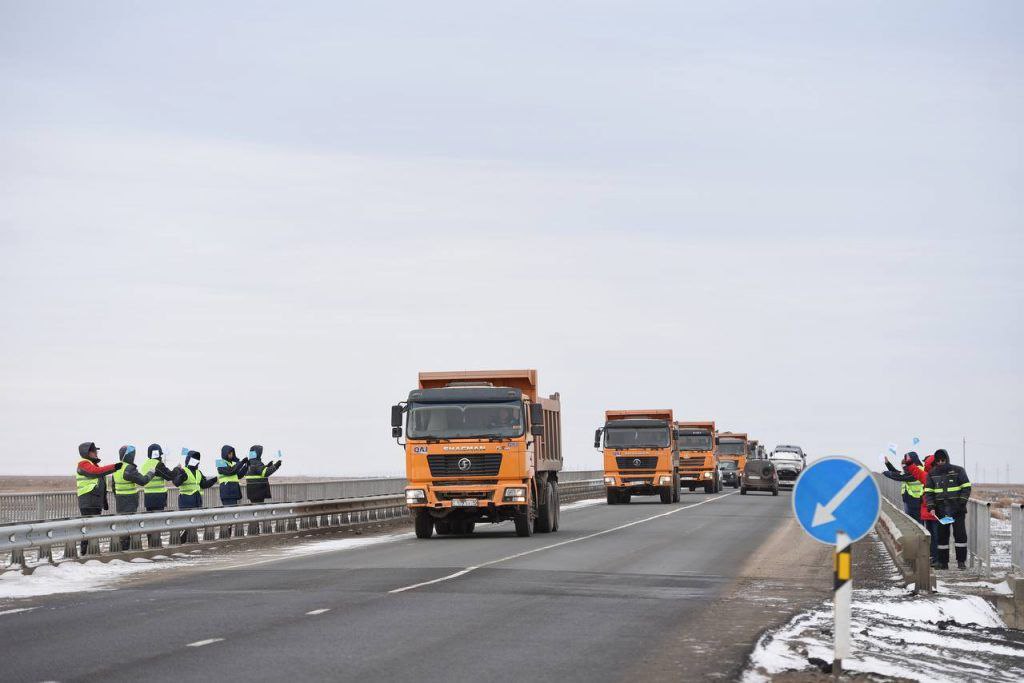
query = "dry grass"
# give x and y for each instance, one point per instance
(1001, 496)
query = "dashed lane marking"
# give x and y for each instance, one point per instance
(467, 570)
(315, 612)
(208, 641)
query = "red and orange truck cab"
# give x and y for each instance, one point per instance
(698, 464)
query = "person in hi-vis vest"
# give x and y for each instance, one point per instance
(128, 481)
(155, 492)
(257, 484)
(190, 482)
(229, 469)
(91, 483)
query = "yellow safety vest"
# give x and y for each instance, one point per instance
(191, 484)
(914, 488)
(226, 478)
(157, 484)
(123, 487)
(85, 484)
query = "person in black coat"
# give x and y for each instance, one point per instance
(229, 470)
(946, 493)
(257, 479)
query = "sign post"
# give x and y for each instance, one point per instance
(837, 502)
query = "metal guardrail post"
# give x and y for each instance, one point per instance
(1017, 538)
(979, 533)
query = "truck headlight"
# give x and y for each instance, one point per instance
(413, 496)
(610, 481)
(666, 479)
(515, 495)
(707, 475)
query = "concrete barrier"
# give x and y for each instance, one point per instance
(908, 544)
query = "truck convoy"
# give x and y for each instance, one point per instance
(481, 446)
(640, 455)
(789, 461)
(732, 446)
(698, 464)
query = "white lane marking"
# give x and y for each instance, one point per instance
(315, 612)
(208, 641)
(463, 572)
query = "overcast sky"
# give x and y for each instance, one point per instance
(256, 222)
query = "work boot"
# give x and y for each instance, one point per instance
(935, 564)
(961, 565)
(942, 565)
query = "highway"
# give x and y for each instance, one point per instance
(659, 592)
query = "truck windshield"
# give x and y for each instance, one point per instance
(731, 448)
(465, 420)
(694, 441)
(635, 437)
(727, 465)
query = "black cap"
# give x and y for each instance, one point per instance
(86, 448)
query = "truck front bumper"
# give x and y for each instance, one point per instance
(465, 496)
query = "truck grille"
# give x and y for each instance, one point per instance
(628, 463)
(697, 461)
(479, 465)
(450, 495)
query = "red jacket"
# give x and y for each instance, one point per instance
(921, 474)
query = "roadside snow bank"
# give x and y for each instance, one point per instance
(70, 577)
(925, 638)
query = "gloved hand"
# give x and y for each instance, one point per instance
(118, 465)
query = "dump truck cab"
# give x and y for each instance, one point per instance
(640, 456)
(698, 463)
(732, 446)
(481, 446)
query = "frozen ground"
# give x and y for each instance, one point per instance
(948, 636)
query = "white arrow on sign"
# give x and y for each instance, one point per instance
(823, 513)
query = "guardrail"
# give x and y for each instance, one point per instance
(1017, 538)
(906, 540)
(32, 507)
(979, 535)
(152, 531)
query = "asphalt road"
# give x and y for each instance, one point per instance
(649, 591)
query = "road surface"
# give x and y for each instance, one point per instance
(659, 592)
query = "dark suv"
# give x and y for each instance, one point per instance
(759, 475)
(727, 473)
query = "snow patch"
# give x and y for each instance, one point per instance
(70, 577)
(927, 638)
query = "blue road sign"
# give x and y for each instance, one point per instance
(836, 494)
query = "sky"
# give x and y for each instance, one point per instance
(255, 222)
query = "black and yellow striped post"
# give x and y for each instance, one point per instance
(843, 588)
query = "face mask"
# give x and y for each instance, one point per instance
(253, 455)
(191, 462)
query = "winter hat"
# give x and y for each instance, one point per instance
(192, 455)
(257, 449)
(227, 452)
(911, 458)
(127, 453)
(155, 448)
(941, 454)
(86, 448)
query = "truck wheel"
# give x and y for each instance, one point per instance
(625, 497)
(692, 489)
(461, 528)
(709, 488)
(524, 525)
(666, 494)
(424, 524)
(558, 507)
(775, 491)
(743, 491)
(546, 511)
(613, 497)
(443, 528)
(676, 495)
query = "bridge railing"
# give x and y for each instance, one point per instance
(53, 540)
(31, 507)
(1017, 538)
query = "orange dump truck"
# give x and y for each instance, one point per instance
(732, 447)
(698, 464)
(481, 446)
(640, 455)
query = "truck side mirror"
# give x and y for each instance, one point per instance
(537, 429)
(396, 432)
(536, 414)
(675, 433)
(396, 416)
(597, 437)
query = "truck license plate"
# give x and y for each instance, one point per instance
(464, 502)
(753, 476)
(638, 483)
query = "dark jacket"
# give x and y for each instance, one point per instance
(947, 490)
(230, 466)
(903, 477)
(195, 500)
(257, 483)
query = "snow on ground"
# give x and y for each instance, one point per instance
(1000, 538)
(583, 504)
(71, 577)
(918, 637)
(338, 544)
